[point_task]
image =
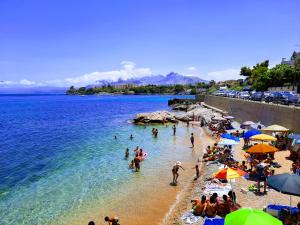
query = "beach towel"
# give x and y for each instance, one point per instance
(220, 189)
(190, 218)
(214, 221)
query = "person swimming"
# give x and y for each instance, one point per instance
(126, 153)
(115, 137)
(175, 170)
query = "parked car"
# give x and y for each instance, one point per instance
(289, 98)
(232, 94)
(244, 95)
(275, 97)
(257, 96)
(267, 93)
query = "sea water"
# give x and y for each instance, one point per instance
(60, 162)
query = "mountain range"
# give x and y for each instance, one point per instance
(169, 79)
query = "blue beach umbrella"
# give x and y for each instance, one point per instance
(251, 133)
(294, 136)
(230, 137)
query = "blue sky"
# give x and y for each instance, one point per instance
(57, 42)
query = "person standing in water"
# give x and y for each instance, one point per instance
(131, 137)
(126, 153)
(174, 129)
(137, 162)
(175, 171)
(192, 139)
(115, 137)
(155, 132)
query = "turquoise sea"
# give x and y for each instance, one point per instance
(59, 160)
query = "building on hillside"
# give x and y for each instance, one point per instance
(124, 86)
(292, 59)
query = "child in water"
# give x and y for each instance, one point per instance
(131, 165)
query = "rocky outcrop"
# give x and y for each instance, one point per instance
(159, 117)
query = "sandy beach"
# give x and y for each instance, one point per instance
(245, 199)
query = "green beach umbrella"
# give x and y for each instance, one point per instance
(248, 216)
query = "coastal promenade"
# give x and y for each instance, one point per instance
(266, 113)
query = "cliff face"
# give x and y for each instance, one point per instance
(268, 114)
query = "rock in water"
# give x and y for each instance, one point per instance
(155, 117)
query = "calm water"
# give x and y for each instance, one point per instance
(58, 155)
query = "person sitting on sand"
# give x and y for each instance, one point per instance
(175, 170)
(243, 166)
(211, 207)
(232, 200)
(197, 172)
(293, 219)
(192, 139)
(126, 153)
(198, 207)
(223, 208)
(112, 221)
(137, 162)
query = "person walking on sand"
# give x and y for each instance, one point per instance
(175, 171)
(197, 172)
(174, 129)
(192, 139)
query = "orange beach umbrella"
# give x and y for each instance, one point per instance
(229, 173)
(262, 149)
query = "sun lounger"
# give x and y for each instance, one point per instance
(214, 221)
(275, 210)
(190, 218)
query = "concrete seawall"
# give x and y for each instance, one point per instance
(268, 114)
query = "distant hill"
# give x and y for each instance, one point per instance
(169, 79)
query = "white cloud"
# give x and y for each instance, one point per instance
(192, 68)
(128, 70)
(27, 82)
(227, 74)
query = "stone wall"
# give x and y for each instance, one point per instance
(268, 114)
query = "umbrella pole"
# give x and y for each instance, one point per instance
(290, 204)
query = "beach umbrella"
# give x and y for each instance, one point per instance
(294, 136)
(227, 142)
(248, 123)
(248, 216)
(262, 149)
(229, 136)
(251, 133)
(285, 183)
(298, 142)
(229, 173)
(275, 128)
(263, 137)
